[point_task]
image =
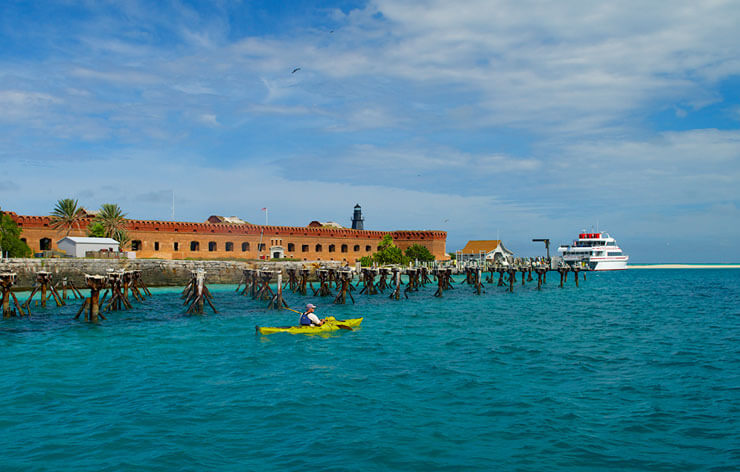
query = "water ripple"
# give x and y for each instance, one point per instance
(632, 371)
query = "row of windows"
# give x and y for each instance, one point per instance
(136, 245)
(229, 247)
(595, 243)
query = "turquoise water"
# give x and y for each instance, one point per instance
(635, 370)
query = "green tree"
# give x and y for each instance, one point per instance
(366, 261)
(96, 230)
(112, 219)
(10, 241)
(123, 239)
(66, 215)
(389, 253)
(419, 253)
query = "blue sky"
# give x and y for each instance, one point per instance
(479, 118)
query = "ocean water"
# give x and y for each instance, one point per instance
(633, 370)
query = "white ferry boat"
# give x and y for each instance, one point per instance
(596, 251)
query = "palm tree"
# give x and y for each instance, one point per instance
(112, 219)
(67, 215)
(123, 239)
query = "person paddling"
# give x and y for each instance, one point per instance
(309, 318)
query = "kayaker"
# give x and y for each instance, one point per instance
(309, 318)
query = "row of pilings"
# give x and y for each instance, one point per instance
(339, 283)
(120, 285)
(345, 283)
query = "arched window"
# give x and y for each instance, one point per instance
(156, 245)
(229, 247)
(176, 246)
(136, 245)
(245, 247)
(211, 246)
(378, 248)
(318, 248)
(291, 247)
(45, 244)
(331, 248)
(194, 246)
(356, 248)
(344, 248)
(368, 248)
(260, 246)
(304, 248)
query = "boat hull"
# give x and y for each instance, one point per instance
(608, 264)
(331, 324)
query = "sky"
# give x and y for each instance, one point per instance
(486, 119)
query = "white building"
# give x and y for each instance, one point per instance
(76, 246)
(487, 250)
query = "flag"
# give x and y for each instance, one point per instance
(264, 209)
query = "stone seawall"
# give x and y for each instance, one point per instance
(154, 272)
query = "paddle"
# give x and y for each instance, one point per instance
(339, 325)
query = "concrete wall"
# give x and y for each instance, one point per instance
(154, 272)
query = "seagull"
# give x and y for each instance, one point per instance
(296, 70)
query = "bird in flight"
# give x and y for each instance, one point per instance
(296, 70)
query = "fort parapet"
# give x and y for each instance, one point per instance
(184, 240)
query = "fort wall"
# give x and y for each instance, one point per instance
(183, 240)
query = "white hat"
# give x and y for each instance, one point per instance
(310, 305)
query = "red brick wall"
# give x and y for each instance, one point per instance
(167, 233)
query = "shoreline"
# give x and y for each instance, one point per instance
(685, 266)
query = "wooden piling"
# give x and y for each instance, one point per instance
(7, 280)
(199, 293)
(413, 283)
(368, 280)
(265, 292)
(324, 290)
(91, 306)
(303, 281)
(43, 285)
(345, 277)
(478, 281)
(277, 302)
(512, 278)
(383, 280)
(396, 294)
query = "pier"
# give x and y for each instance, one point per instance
(269, 283)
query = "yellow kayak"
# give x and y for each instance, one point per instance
(331, 324)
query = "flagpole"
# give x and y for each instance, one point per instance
(266, 213)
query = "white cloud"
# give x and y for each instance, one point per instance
(674, 168)
(209, 119)
(513, 110)
(23, 105)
